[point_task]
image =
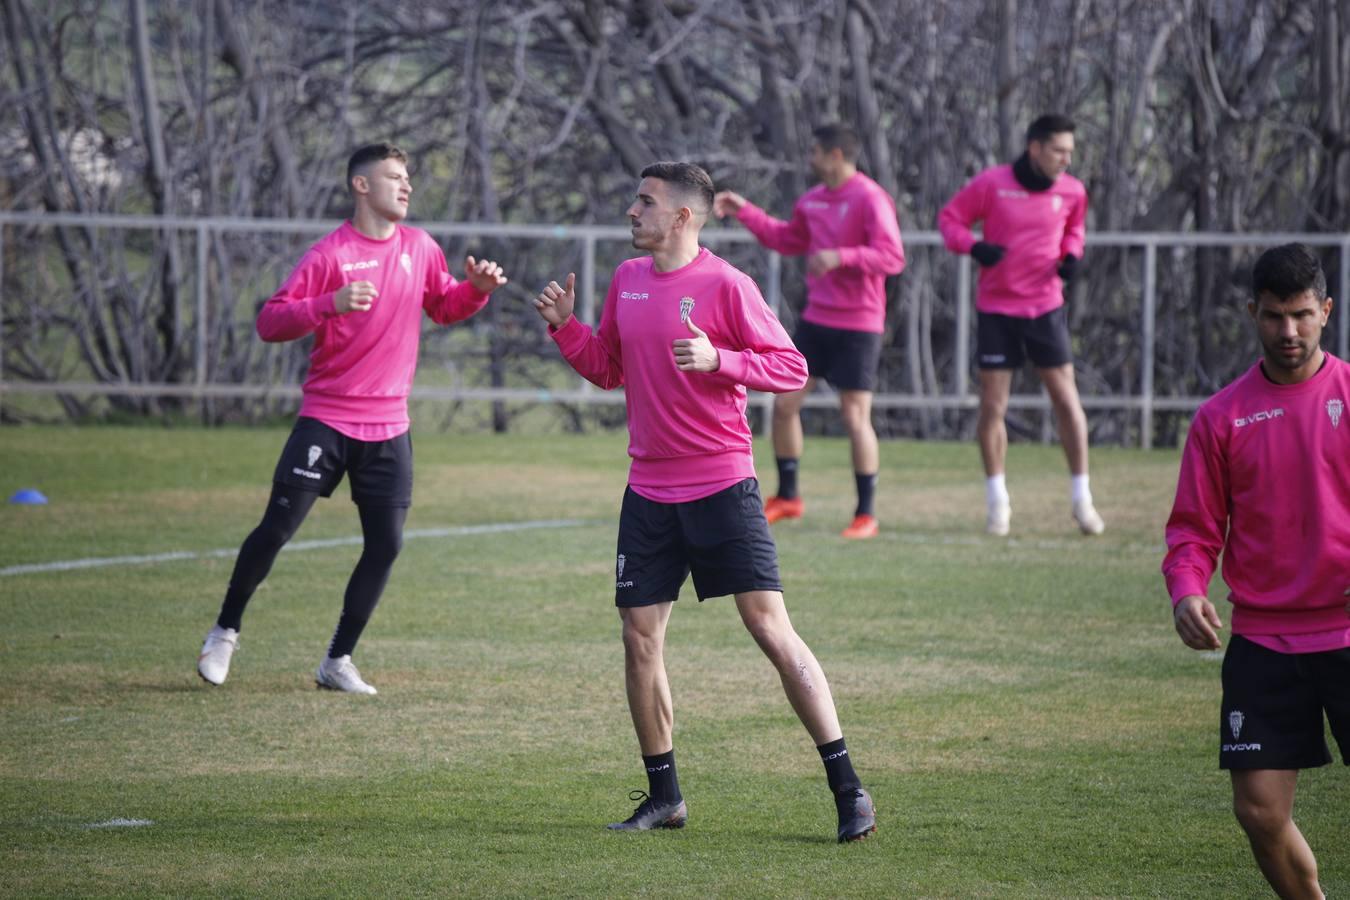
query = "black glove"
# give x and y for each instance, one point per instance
(986, 254)
(1069, 267)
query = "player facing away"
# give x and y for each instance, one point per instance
(685, 334)
(1264, 481)
(361, 292)
(846, 227)
(1033, 213)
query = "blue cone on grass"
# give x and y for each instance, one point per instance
(29, 497)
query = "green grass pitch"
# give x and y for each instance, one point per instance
(1022, 711)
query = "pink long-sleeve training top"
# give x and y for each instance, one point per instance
(362, 365)
(857, 219)
(1264, 479)
(1036, 228)
(688, 437)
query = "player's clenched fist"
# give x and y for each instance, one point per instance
(555, 303)
(355, 297)
(727, 203)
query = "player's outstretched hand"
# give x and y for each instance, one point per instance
(727, 203)
(696, 354)
(355, 297)
(823, 261)
(555, 303)
(1197, 623)
(484, 274)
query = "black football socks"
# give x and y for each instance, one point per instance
(838, 767)
(662, 785)
(787, 477)
(867, 488)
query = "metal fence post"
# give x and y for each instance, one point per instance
(962, 357)
(775, 285)
(202, 323)
(2, 320)
(1343, 313)
(587, 293)
(1146, 349)
(775, 299)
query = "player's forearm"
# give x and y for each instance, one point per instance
(876, 259)
(955, 230)
(774, 371)
(288, 319)
(586, 353)
(459, 303)
(781, 237)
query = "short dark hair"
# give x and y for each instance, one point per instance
(690, 180)
(1047, 126)
(372, 153)
(838, 136)
(1287, 271)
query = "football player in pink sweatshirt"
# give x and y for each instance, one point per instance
(361, 291)
(1264, 482)
(1033, 213)
(684, 333)
(847, 229)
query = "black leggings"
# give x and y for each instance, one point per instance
(381, 528)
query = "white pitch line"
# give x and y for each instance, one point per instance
(68, 565)
(120, 823)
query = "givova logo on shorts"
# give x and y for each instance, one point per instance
(1235, 721)
(315, 451)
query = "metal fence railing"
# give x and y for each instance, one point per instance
(1143, 400)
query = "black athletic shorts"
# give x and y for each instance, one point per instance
(846, 359)
(1273, 705)
(316, 457)
(723, 539)
(1005, 342)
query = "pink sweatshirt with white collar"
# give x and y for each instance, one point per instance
(1265, 479)
(857, 219)
(361, 368)
(685, 428)
(1037, 229)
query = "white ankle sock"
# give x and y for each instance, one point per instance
(996, 490)
(1078, 488)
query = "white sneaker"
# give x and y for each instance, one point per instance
(1086, 516)
(341, 675)
(214, 662)
(999, 519)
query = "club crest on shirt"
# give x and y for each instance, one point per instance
(1056, 202)
(686, 308)
(406, 262)
(1334, 409)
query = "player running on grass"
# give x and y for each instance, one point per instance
(361, 291)
(1033, 213)
(1264, 481)
(847, 228)
(685, 334)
